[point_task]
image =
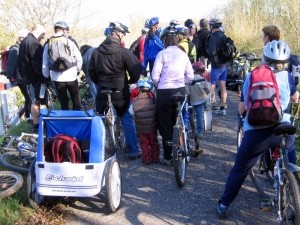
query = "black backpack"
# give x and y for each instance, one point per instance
(135, 48)
(228, 50)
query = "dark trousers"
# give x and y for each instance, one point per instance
(254, 143)
(62, 91)
(27, 102)
(166, 116)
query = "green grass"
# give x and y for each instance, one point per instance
(16, 206)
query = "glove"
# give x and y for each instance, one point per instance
(46, 80)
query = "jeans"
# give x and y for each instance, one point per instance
(199, 116)
(129, 131)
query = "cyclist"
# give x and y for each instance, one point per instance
(202, 36)
(219, 68)
(152, 45)
(137, 47)
(256, 140)
(185, 43)
(108, 68)
(146, 121)
(14, 75)
(192, 33)
(171, 71)
(30, 67)
(65, 80)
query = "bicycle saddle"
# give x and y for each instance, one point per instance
(177, 98)
(284, 128)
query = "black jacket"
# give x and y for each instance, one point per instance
(202, 35)
(215, 45)
(12, 62)
(108, 68)
(30, 59)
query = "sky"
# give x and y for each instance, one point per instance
(122, 10)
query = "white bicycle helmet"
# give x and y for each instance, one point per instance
(276, 51)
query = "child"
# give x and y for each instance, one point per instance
(199, 96)
(145, 121)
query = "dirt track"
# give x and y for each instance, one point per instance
(151, 195)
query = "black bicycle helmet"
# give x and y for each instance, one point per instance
(215, 23)
(276, 52)
(189, 23)
(168, 31)
(182, 30)
(203, 23)
(61, 25)
(117, 26)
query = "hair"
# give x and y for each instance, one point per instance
(272, 32)
(171, 40)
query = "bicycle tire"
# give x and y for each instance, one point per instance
(12, 161)
(179, 162)
(34, 198)
(10, 182)
(109, 144)
(290, 203)
(261, 179)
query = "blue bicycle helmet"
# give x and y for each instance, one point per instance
(62, 25)
(107, 31)
(145, 85)
(182, 30)
(153, 21)
(117, 26)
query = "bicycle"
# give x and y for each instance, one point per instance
(276, 168)
(113, 123)
(87, 94)
(181, 144)
(10, 182)
(20, 151)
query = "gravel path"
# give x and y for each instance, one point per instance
(151, 195)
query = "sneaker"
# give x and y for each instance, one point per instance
(221, 112)
(166, 162)
(222, 210)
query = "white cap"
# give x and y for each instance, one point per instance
(23, 33)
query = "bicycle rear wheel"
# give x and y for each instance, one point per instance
(10, 182)
(179, 158)
(290, 201)
(261, 178)
(13, 161)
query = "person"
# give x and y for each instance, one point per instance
(108, 68)
(65, 80)
(271, 33)
(145, 120)
(14, 76)
(152, 45)
(256, 139)
(137, 47)
(219, 68)
(185, 43)
(30, 67)
(198, 95)
(202, 38)
(171, 71)
(192, 34)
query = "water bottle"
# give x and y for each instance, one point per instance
(42, 91)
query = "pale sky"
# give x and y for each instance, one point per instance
(120, 10)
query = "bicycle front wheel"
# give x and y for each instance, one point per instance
(13, 161)
(290, 199)
(10, 182)
(179, 159)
